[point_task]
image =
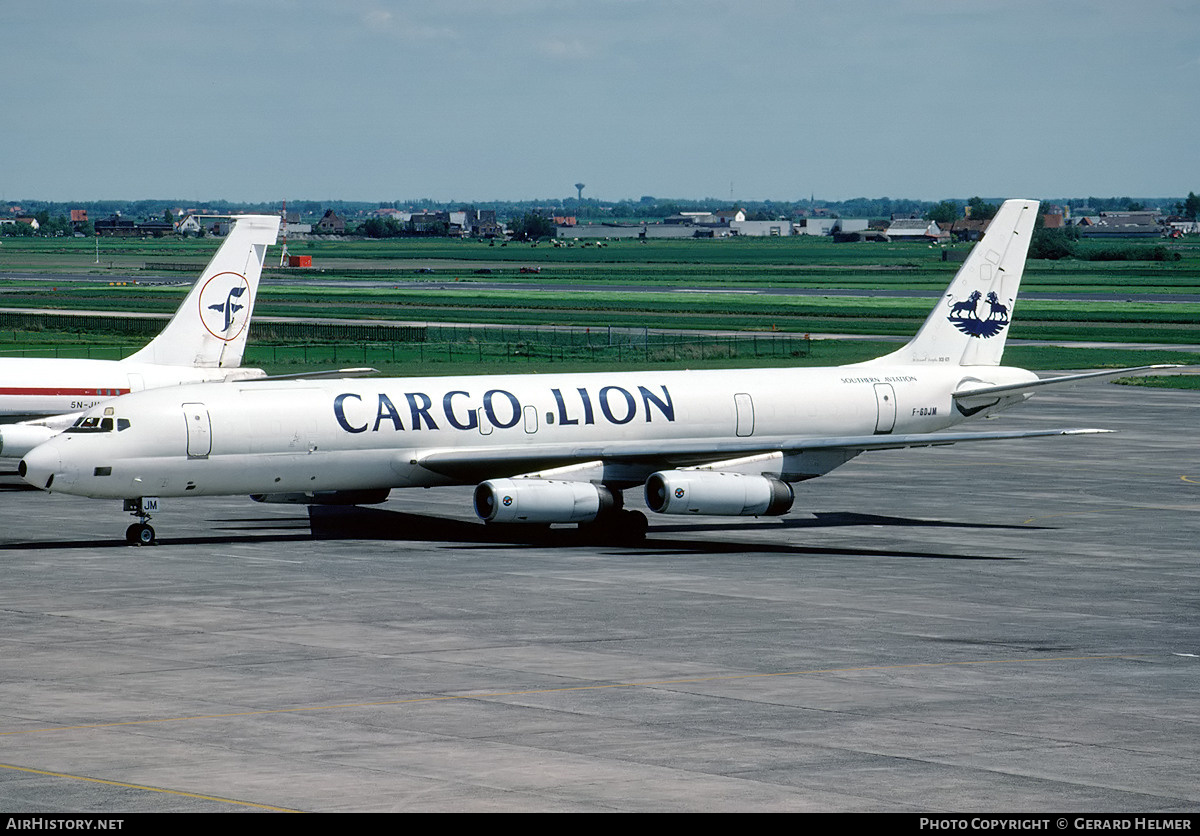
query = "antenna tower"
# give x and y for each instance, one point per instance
(283, 253)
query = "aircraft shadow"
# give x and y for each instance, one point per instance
(359, 523)
(382, 524)
(835, 519)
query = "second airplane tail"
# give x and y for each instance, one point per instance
(969, 326)
(210, 328)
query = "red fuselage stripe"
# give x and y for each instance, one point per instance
(51, 391)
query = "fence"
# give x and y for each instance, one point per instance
(299, 343)
(149, 325)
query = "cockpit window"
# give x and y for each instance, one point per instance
(97, 425)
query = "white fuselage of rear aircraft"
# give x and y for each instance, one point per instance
(48, 386)
(289, 436)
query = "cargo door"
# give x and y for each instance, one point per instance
(885, 403)
(199, 430)
(744, 406)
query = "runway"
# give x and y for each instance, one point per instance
(1003, 627)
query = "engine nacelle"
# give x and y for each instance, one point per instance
(716, 493)
(18, 439)
(371, 496)
(540, 501)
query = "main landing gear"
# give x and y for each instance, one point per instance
(616, 526)
(141, 533)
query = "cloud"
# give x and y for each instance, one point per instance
(566, 49)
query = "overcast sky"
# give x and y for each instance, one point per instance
(380, 100)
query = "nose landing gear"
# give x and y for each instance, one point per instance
(141, 533)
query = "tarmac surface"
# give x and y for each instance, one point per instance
(1012, 626)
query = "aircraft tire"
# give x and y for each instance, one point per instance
(139, 534)
(618, 528)
(634, 526)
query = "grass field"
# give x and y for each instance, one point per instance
(730, 270)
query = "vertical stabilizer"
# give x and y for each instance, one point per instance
(969, 326)
(209, 330)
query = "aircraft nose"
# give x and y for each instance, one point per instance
(40, 466)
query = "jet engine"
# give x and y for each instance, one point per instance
(18, 439)
(541, 501)
(717, 493)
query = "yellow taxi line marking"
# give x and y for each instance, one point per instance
(144, 787)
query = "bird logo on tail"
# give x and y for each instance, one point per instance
(226, 295)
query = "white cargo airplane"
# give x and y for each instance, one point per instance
(562, 448)
(204, 341)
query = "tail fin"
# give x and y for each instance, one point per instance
(970, 325)
(209, 330)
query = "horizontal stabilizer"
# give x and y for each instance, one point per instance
(988, 394)
(327, 374)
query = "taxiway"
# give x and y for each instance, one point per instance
(997, 627)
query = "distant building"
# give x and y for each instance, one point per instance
(188, 225)
(193, 224)
(915, 229)
(482, 224)
(116, 226)
(1121, 225)
(395, 214)
(831, 226)
(1054, 220)
(762, 229)
(722, 217)
(20, 220)
(331, 222)
(817, 226)
(968, 229)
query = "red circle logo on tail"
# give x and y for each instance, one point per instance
(225, 305)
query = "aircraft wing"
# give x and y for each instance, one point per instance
(984, 396)
(326, 374)
(480, 463)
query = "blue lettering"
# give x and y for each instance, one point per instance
(587, 406)
(472, 421)
(630, 405)
(562, 410)
(339, 413)
(667, 408)
(491, 414)
(421, 411)
(387, 410)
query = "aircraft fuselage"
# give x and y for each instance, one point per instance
(289, 436)
(36, 387)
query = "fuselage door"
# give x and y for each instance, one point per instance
(199, 430)
(745, 414)
(885, 402)
(531, 419)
